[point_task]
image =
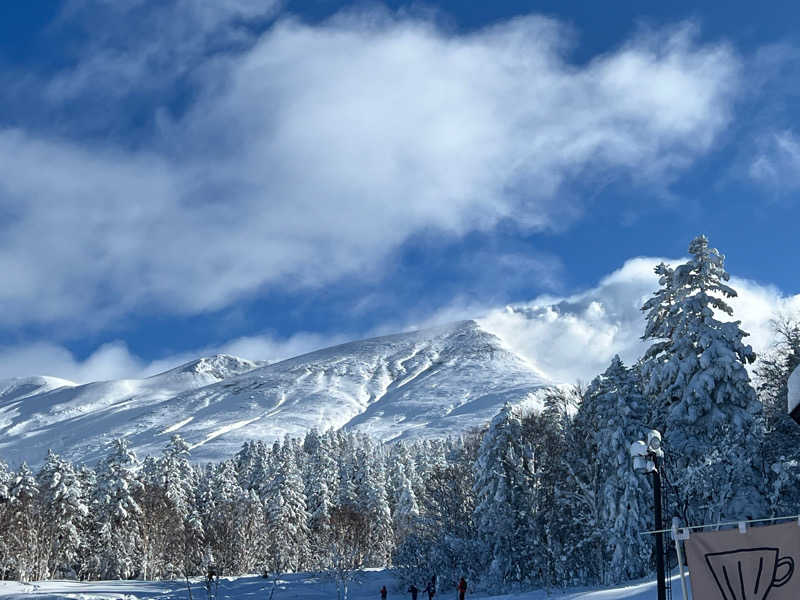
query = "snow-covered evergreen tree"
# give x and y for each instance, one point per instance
(252, 534)
(374, 503)
(64, 505)
(504, 484)
(221, 522)
(287, 515)
(347, 463)
(782, 441)
(5, 481)
(698, 379)
(171, 547)
(320, 482)
(254, 466)
(177, 476)
(88, 560)
(25, 527)
(406, 511)
(179, 482)
(623, 498)
(119, 540)
(556, 536)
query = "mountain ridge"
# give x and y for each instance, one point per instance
(428, 383)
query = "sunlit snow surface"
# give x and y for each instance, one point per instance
(293, 587)
(429, 383)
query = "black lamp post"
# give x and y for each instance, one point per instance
(647, 459)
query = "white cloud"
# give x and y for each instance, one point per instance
(776, 163)
(115, 361)
(109, 361)
(574, 338)
(313, 151)
(135, 47)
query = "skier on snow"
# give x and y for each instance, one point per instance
(462, 588)
(414, 591)
(383, 593)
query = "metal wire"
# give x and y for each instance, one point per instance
(723, 524)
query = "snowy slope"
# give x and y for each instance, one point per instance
(294, 587)
(40, 413)
(18, 388)
(422, 384)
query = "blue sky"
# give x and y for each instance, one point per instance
(264, 178)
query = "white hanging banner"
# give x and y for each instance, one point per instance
(760, 564)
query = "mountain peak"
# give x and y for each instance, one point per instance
(218, 366)
(17, 388)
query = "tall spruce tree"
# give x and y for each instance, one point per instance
(581, 494)
(320, 482)
(658, 311)
(119, 538)
(696, 377)
(375, 504)
(782, 440)
(26, 538)
(504, 488)
(623, 503)
(287, 515)
(64, 508)
(221, 503)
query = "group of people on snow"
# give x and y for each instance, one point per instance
(430, 589)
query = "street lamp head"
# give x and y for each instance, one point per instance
(644, 454)
(640, 453)
(654, 443)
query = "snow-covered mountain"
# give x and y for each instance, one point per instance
(427, 383)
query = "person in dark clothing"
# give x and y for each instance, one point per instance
(212, 574)
(383, 593)
(462, 588)
(431, 589)
(414, 591)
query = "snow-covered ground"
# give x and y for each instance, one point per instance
(293, 587)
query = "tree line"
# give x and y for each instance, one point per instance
(543, 497)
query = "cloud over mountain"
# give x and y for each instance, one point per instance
(574, 338)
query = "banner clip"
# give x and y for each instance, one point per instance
(742, 527)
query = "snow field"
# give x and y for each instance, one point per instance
(293, 587)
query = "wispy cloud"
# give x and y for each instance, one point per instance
(115, 360)
(311, 152)
(109, 361)
(776, 163)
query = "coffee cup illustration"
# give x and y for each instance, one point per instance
(749, 574)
